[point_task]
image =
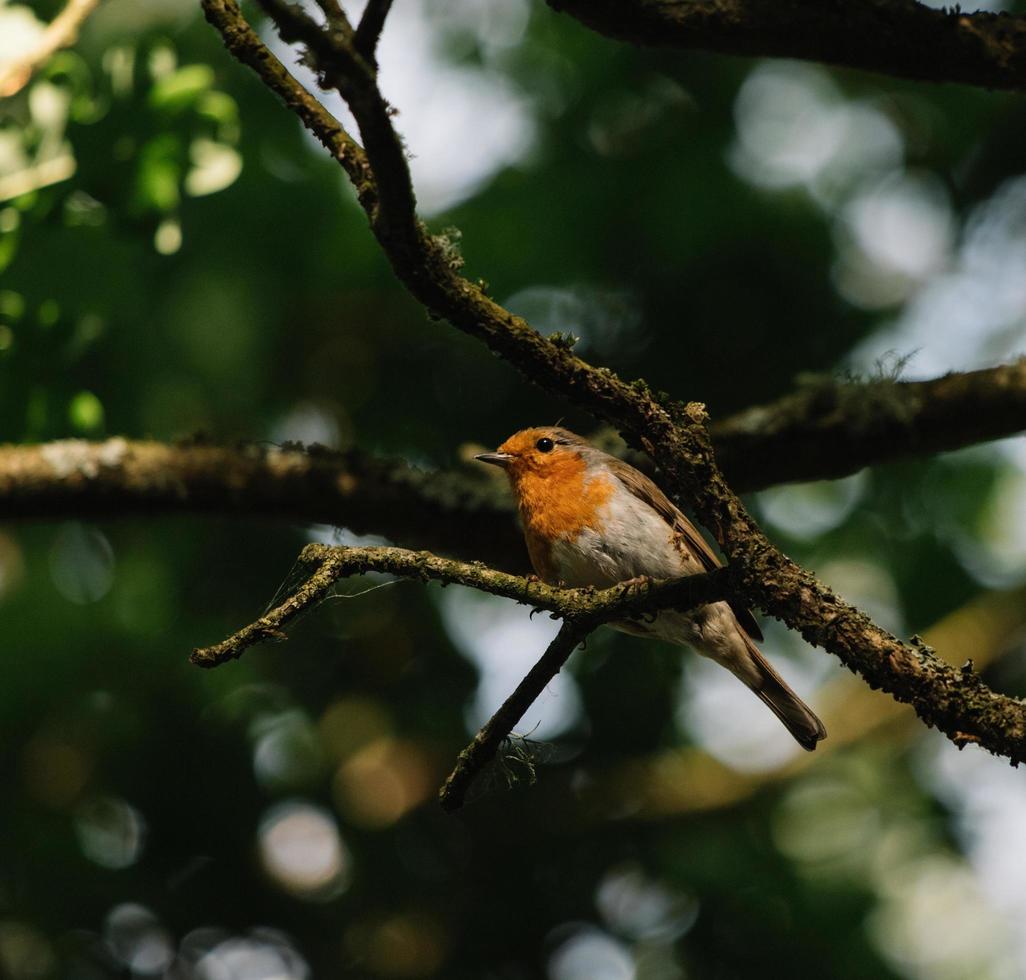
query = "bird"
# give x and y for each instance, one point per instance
(590, 519)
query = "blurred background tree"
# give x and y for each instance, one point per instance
(179, 259)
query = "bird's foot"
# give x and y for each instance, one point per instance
(636, 584)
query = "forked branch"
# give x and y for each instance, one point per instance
(582, 610)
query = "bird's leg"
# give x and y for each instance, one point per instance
(531, 579)
(636, 585)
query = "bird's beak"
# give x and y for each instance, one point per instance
(496, 459)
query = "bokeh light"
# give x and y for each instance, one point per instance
(265, 954)
(406, 945)
(971, 314)
(487, 124)
(590, 954)
(286, 751)
(600, 320)
(754, 739)
(110, 831)
(382, 781)
(895, 233)
(136, 937)
(807, 510)
(82, 564)
(302, 850)
(796, 129)
(635, 905)
(24, 952)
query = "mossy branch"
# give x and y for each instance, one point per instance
(447, 512)
(829, 429)
(588, 608)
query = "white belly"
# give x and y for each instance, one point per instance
(634, 541)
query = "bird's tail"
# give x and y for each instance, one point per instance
(772, 689)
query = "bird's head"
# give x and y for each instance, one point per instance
(541, 453)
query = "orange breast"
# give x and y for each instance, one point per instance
(559, 502)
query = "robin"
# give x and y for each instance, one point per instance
(592, 519)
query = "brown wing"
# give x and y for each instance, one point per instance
(644, 489)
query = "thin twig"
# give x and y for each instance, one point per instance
(487, 741)
(582, 610)
(269, 626)
(369, 29)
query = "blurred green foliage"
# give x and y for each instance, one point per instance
(178, 258)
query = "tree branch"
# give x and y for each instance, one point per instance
(674, 435)
(61, 32)
(828, 430)
(957, 703)
(895, 37)
(447, 512)
(587, 607)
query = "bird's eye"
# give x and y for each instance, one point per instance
(545, 445)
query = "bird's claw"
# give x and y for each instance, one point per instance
(635, 584)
